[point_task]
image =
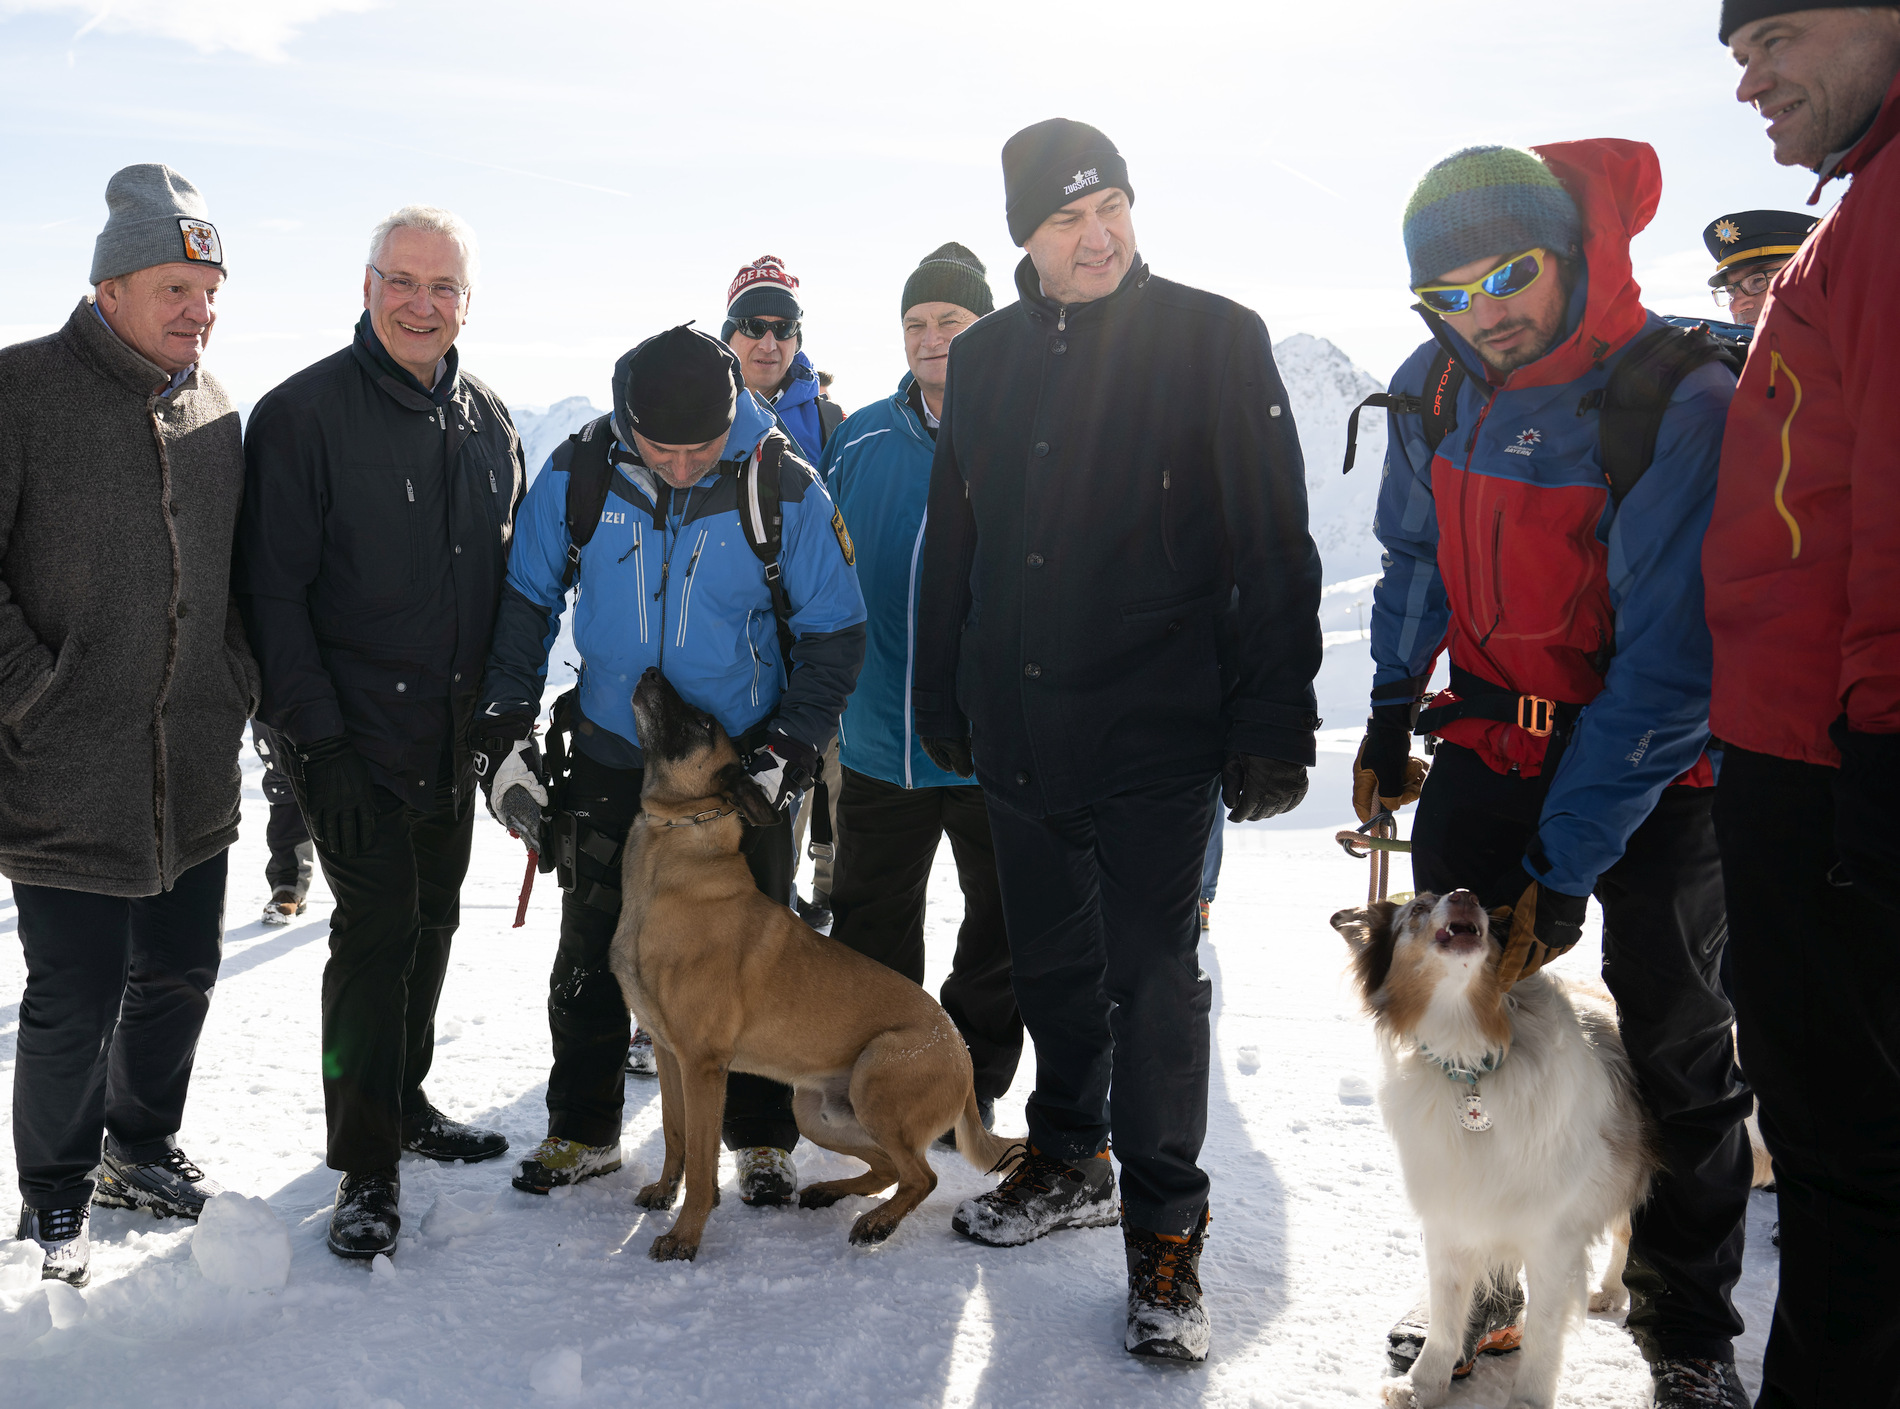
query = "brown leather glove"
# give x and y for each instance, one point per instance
(1545, 924)
(1385, 769)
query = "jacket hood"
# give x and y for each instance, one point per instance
(803, 385)
(1886, 123)
(1616, 185)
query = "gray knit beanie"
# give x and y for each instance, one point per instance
(949, 274)
(156, 217)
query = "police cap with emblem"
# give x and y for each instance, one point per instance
(154, 216)
(1049, 164)
(1750, 235)
(679, 387)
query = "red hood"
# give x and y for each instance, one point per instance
(1886, 124)
(1616, 185)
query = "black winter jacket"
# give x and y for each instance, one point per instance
(372, 549)
(1106, 477)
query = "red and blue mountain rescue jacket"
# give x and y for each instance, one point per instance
(1803, 556)
(1505, 548)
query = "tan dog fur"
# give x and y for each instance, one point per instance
(726, 979)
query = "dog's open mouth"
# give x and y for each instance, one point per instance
(1459, 936)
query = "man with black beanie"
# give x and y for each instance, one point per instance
(1802, 569)
(1119, 609)
(668, 579)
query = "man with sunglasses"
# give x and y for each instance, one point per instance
(1571, 757)
(764, 328)
(1750, 247)
(380, 492)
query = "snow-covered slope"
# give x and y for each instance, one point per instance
(1324, 385)
(542, 430)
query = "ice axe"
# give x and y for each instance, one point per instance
(527, 886)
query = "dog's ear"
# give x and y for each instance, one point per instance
(1354, 926)
(1368, 930)
(736, 787)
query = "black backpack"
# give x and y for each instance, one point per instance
(1630, 405)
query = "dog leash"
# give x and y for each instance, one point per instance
(1380, 838)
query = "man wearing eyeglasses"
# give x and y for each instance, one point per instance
(380, 492)
(1571, 757)
(1750, 247)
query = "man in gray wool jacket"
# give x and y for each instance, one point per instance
(125, 682)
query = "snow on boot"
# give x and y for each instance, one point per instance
(433, 1135)
(286, 903)
(1696, 1384)
(367, 1219)
(172, 1187)
(767, 1176)
(1040, 1194)
(1165, 1317)
(556, 1162)
(815, 912)
(640, 1058)
(1492, 1329)
(65, 1250)
(986, 1112)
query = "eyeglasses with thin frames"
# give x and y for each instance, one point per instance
(1751, 285)
(404, 288)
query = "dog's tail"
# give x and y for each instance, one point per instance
(982, 1149)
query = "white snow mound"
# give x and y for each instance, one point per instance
(25, 1323)
(557, 1374)
(459, 1213)
(241, 1243)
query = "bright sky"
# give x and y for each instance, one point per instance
(620, 164)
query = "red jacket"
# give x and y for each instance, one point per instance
(1802, 559)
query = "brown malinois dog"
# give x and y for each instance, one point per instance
(726, 980)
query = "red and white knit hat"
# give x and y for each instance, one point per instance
(763, 287)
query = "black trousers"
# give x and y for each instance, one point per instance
(1663, 933)
(1103, 909)
(1817, 995)
(116, 994)
(290, 848)
(887, 838)
(587, 1015)
(397, 907)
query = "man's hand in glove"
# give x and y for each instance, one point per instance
(508, 761)
(783, 768)
(1385, 774)
(1864, 790)
(1545, 924)
(339, 801)
(952, 754)
(1255, 788)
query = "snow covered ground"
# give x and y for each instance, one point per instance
(498, 1298)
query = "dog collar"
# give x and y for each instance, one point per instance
(1471, 1113)
(711, 814)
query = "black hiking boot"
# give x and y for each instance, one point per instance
(60, 1234)
(433, 1135)
(1492, 1329)
(366, 1220)
(1696, 1384)
(172, 1187)
(1166, 1320)
(1040, 1194)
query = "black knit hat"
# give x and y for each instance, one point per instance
(949, 274)
(679, 387)
(1050, 164)
(1736, 13)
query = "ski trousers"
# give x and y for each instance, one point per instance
(1663, 933)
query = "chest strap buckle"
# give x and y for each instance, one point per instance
(1536, 715)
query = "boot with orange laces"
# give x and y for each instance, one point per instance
(1165, 1317)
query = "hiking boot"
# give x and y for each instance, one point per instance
(1492, 1329)
(65, 1250)
(1040, 1194)
(986, 1112)
(815, 912)
(172, 1187)
(367, 1219)
(433, 1135)
(767, 1176)
(640, 1058)
(556, 1162)
(1166, 1320)
(286, 904)
(1696, 1384)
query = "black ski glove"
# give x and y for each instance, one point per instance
(339, 800)
(1545, 924)
(1255, 788)
(1385, 774)
(1864, 791)
(783, 767)
(950, 753)
(492, 737)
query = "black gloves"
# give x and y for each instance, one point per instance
(1545, 924)
(508, 761)
(339, 801)
(952, 754)
(1864, 790)
(492, 737)
(783, 768)
(1255, 788)
(1385, 774)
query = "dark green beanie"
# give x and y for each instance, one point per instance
(949, 274)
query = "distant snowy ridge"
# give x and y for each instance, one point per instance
(541, 431)
(1323, 385)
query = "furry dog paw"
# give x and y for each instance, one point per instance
(657, 1195)
(1610, 1300)
(667, 1248)
(870, 1230)
(1398, 1394)
(817, 1196)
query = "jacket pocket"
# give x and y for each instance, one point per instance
(1188, 603)
(45, 703)
(1168, 514)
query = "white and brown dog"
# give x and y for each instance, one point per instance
(1518, 1125)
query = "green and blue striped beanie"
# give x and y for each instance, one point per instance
(1486, 201)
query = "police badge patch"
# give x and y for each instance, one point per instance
(844, 538)
(202, 245)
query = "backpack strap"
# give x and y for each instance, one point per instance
(830, 417)
(1632, 404)
(762, 520)
(1438, 404)
(589, 472)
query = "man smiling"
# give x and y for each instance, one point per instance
(1800, 566)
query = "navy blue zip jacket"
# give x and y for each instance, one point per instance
(668, 580)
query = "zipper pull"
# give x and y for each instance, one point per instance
(1774, 365)
(1062, 320)
(493, 488)
(1167, 480)
(410, 485)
